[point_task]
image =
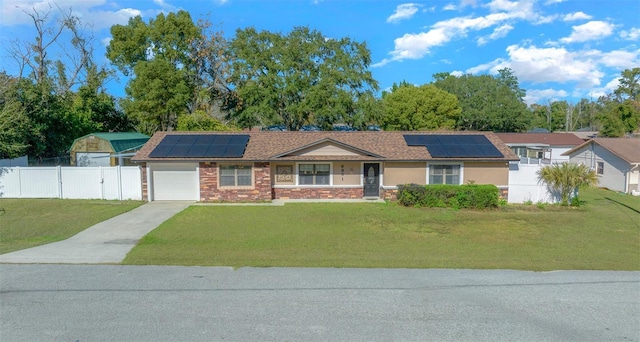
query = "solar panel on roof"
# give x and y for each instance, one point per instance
(201, 146)
(171, 139)
(160, 151)
(413, 140)
(198, 150)
(234, 150)
(188, 139)
(215, 151)
(455, 145)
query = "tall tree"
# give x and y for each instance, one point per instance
(300, 78)
(410, 108)
(488, 103)
(162, 58)
(621, 110)
(15, 126)
(51, 68)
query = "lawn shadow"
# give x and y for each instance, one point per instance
(622, 204)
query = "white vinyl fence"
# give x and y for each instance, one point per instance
(112, 183)
(524, 185)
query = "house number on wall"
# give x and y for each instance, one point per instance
(342, 171)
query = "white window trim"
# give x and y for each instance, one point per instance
(231, 187)
(314, 185)
(461, 164)
(598, 173)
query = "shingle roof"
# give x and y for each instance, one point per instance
(274, 145)
(626, 148)
(551, 139)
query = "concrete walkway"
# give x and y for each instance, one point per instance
(106, 242)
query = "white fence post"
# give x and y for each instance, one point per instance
(119, 172)
(59, 172)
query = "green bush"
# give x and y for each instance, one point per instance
(470, 196)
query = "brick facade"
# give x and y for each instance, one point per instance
(145, 186)
(318, 193)
(389, 194)
(210, 192)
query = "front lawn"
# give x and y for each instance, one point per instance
(27, 223)
(604, 234)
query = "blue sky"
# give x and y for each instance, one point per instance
(558, 49)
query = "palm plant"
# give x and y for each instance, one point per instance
(567, 178)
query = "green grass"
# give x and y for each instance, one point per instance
(603, 234)
(27, 223)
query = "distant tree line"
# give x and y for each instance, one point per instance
(184, 75)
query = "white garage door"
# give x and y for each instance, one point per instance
(93, 159)
(175, 182)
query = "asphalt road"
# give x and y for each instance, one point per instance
(148, 303)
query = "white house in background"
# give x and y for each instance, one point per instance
(615, 160)
(540, 148)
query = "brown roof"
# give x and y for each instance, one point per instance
(551, 139)
(276, 145)
(628, 149)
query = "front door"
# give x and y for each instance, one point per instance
(371, 180)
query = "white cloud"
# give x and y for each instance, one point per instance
(576, 16)
(555, 64)
(456, 73)
(592, 30)
(450, 7)
(498, 32)
(550, 2)
(608, 88)
(632, 34)
(222, 2)
(106, 41)
(620, 59)
(544, 95)
(417, 45)
(403, 12)
(106, 19)
(14, 12)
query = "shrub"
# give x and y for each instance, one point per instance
(470, 196)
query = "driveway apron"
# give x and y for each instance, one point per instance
(106, 242)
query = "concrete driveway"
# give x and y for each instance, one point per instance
(106, 242)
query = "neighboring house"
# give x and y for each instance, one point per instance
(262, 166)
(540, 148)
(106, 149)
(615, 160)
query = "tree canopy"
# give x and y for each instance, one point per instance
(299, 78)
(177, 68)
(411, 108)
(489, 103)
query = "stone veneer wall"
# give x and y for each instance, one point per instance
(389, 194)
(318, 193)
(209, 191)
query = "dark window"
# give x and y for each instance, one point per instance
(235, 175)
(313, 174)
(444, 174)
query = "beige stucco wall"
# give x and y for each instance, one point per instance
(404, 173)
(496, 173)
(346, 173)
